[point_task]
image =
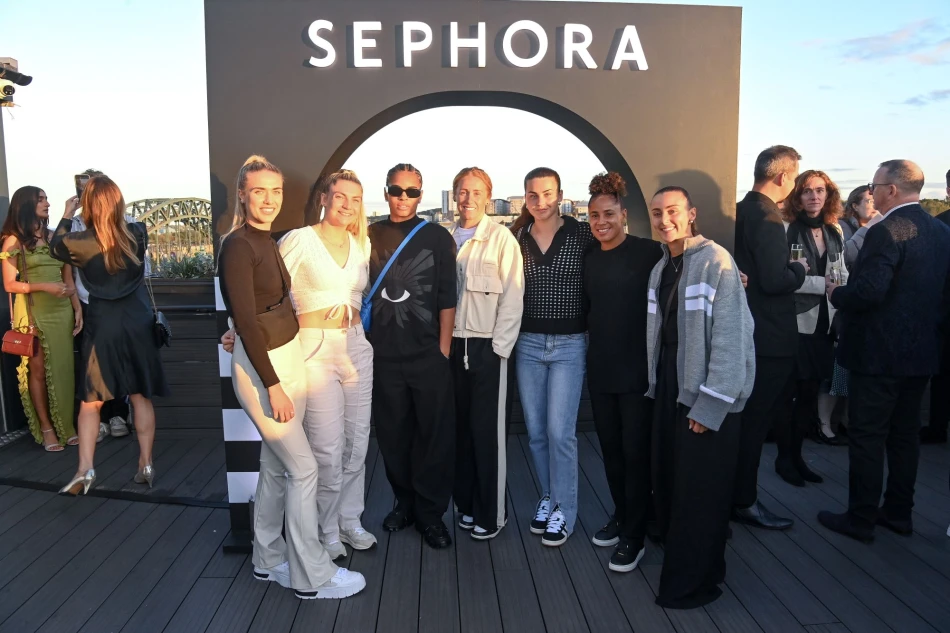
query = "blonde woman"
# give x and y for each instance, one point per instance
(328, 264)
(118, 352)
(267, 369)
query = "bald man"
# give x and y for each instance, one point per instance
(892, 308)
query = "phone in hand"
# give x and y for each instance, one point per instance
(80, 180)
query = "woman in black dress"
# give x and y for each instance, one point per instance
(119, 354)
(812, 212)
(616, 277)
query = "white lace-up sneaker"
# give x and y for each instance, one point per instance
(118, 427)
(344, 584)
(540, 521)
(335, 550)
(103, 432)
(279, 574)
(556, 532)
(357, 538)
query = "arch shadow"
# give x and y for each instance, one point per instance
(594, 139)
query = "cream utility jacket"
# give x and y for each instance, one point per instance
(490, 274)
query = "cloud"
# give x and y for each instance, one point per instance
(933, 96)
(825, 87)
(923, 42)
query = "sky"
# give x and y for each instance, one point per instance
(848, 83)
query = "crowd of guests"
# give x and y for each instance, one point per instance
(81, 287)
(692, 356)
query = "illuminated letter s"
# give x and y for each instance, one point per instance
(314, 33)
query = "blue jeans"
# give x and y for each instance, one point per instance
(550, 370)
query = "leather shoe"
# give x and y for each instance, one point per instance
(436, 536)
(904, 527)
(807, 473)
(789, 473)
(844, 524)
(398, 519)
(757, 515)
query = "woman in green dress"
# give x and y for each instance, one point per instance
(45, 296)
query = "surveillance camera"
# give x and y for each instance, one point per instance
(8, 91)
(9, 70)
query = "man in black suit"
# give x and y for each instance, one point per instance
(892, 309)
(761, 252)
(936, 431)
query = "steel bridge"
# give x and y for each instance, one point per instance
(178, 228)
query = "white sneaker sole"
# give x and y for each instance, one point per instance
(358, 546)
(631, 566)
(539, 531)
(487, 536)
(119, 432)
(333, 593)
(554, 543)
(607, 543)
(267, 576)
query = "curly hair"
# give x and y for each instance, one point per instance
(607, 184)
(832, 209)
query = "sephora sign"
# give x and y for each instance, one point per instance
(417, 38)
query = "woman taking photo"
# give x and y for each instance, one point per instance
(551, 347)
(701, 370)
(487, 318)
(119, 355)
(269, 378)
(812, 213)
(45, 299)
(328, 265)
(615, 293)
(861, 215)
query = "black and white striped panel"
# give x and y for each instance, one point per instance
(242, 442)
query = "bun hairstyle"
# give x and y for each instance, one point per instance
(608, 184)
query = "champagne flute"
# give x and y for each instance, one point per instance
(797, 251)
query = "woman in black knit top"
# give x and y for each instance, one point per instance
(269, 378)
(551, 347)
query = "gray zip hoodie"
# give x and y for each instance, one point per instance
(715, 358)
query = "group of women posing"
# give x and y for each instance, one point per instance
(669, 355)
(119, 356)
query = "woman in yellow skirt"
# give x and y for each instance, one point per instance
(45, 297)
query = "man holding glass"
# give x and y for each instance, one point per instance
(762, 253)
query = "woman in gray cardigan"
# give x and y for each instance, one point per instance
(701, 369)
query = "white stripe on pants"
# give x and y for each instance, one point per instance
(339, 396)
(287, 487)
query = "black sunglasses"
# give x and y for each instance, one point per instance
(396, 191)
(873, 185)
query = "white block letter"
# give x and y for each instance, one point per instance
(314, 33)
(455, 43)
(525, 25)
(571, 47)
(360, 42)
(408, 46)
(631, 40)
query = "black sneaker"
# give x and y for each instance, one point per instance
(481, 534)
(540, 521)
(466, 522)
(556, 532)
(608, 535)
(627, 556)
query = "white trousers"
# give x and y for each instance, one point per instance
(287, 486)
(339, 367)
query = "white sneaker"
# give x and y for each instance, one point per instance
(118, 427)
(335, 549)
(357, 538)
(103, 432)
(279, 574)
(344, 584)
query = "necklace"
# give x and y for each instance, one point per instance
(673, 263)
(331, 243)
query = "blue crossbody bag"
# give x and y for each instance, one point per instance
(366, 310)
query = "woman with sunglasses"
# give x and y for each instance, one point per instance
(413, 315)
(328, 264)
(269, 378)
(552, 347)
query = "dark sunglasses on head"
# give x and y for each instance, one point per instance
(396, 191)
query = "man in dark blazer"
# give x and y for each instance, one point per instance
(936, 431)
(892, 310)
(761, 252)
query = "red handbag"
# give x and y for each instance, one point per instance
(16, 342)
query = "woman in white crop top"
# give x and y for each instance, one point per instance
(328, 264)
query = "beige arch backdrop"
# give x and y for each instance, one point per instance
(653, 90)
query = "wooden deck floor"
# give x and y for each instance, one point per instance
(96, 565)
